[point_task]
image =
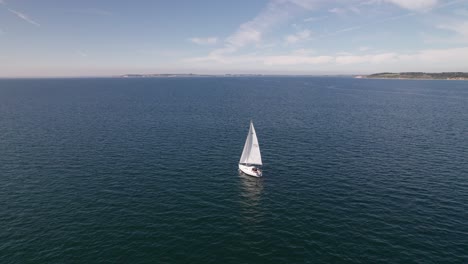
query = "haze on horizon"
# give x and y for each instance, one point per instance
(102, 38)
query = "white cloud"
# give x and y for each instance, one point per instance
(253, 31)
(313, 19)
(303, 52)
(348, 29)
(300, 36)
(247, 34)
(460, 36)
(338, 11)
(307, 4)
(438, 59)
(450, 59)
(345, 11)
(369, 2)
(373, 58)
(204, 41)
(461, 28)
(24, 17)
(453, 59)
(295, 60)
(416, 5)
(338, 32)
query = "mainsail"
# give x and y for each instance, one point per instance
(251, 152)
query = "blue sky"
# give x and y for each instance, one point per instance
(96, 38)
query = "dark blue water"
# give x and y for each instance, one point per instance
(145, 171)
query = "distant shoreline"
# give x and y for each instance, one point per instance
(176, 75)
(149, 76)
(451, 76)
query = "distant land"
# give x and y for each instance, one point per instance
(154, 75)
(178, 75)
(383, 75)
(418, 75)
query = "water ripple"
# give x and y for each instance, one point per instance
(144, 171)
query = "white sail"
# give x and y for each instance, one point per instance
(251, 152)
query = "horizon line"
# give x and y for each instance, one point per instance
(188, 75)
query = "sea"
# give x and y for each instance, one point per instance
(144, 170)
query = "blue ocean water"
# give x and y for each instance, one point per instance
(145, 171)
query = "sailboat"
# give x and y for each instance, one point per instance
(251, 160)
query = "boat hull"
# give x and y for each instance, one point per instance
(248, 170)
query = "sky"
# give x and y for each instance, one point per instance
(55, 38)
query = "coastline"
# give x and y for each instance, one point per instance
(447, 76)
(416, 79)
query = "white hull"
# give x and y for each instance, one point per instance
(248, 170)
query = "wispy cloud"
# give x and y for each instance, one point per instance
(358, 27)
(337, 10)
(416, 5)
(303, 52)
(460, 30)
(295, 60)
(451, 59)
(306, 4)
(345, 11)
(370, 58)
(314, 19)
(299, 36)
(24, 17)
(2, 2)
(204, 41)
(276, 12)
(253, 31)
